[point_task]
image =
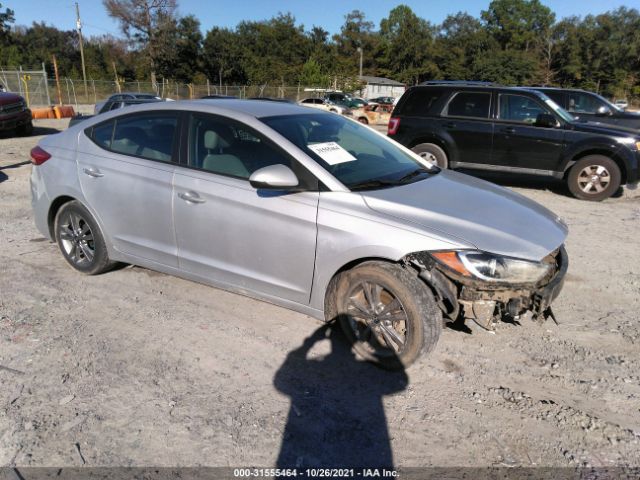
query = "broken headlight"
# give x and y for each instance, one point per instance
(493, 268)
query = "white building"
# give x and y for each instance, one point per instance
(381, 87)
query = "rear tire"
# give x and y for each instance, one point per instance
(594, 177)
(80, 240)
(432, 153)
(363, 120)
(386, 312)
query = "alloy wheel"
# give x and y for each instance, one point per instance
(76, 238)
(594, 179)
(377, 318)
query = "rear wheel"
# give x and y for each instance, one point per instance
(363, 120)
(432, 153)
(594, 177)
(80, 240)
(387, 313)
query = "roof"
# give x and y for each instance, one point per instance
(381, 81)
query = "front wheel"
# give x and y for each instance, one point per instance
(25, 130)
(80, 240)
(594, 177)
(387, 313)
(363, 120)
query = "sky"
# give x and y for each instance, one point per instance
(328, 14)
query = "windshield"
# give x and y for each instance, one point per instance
(351, 152)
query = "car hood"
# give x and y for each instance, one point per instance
(492, 218)
(608, 129)
(7, 98)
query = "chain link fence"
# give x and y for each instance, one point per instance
(72, 91)
(39, 90)
(31, 83)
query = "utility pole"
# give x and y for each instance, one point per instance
(84, 72)
(360, 52)
(55, 71)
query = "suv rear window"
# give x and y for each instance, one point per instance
(420, 101)
(469, 104)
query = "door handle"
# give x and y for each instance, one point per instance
(509, 130)
(191, 197)
(450, 125)
(93, 172)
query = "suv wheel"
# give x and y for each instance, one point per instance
(432, 153)
(80, 240)
(387, 313)
(594, 177)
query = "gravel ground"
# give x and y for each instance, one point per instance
(137, 368)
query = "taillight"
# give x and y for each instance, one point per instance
(39, 156)
(394, 124)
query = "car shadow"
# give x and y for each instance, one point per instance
(337, 417)
(3, 176)
(37, 131)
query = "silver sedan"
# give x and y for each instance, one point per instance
(305, 209)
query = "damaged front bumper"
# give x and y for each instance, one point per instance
(487, 302)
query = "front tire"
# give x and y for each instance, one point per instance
(594, 177)
(80, 240)
(25, 130)
(387, 313)
(363, 120)
(432, 153)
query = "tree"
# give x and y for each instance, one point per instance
(140, 21)
(516, 24)
(407, 42)
(6, 18)
(222, 57)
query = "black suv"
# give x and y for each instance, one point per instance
(591, 107)
(515, 130)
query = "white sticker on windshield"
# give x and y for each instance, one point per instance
(332, 153)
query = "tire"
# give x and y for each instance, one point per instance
(333, 110)
(432, 153)
(363, 120)
(594, 177)
(25, 130)
(80, 240)
(414, 317)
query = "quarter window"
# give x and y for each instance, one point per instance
(469, 104)
(229, 148)
(420, 102)
(519, 108)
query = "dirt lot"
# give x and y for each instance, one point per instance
(139, 368)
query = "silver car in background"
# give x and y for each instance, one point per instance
(305, 209)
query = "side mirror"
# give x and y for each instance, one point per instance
(603, 111)
(274, 177)
(546, 120)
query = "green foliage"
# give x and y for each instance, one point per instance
(312, 75)
(513, 42)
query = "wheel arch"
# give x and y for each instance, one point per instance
(55, 206)
(330, 288)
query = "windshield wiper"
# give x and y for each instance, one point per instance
(373, 184)
(413, 174)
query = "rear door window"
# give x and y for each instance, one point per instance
(150, 136)
(469, 104)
